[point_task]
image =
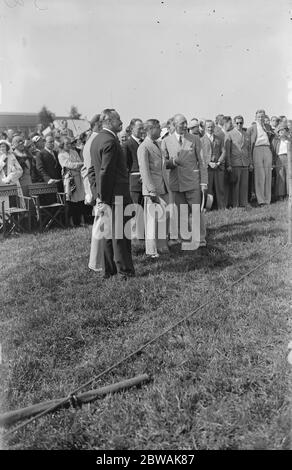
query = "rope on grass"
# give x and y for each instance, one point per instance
(144, 346)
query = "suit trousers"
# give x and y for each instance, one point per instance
(227, 189)
(117, 250)
(239, 186)
(188, 198)
(216, 186)
(262, 160)
(154, 228)
(282, 185)
(137, 197)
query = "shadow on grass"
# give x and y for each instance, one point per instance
(243, 223)
(246, 235)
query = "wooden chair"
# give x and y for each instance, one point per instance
(15, 213)
(49, 210)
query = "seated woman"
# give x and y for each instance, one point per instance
(10, 169)
(25, 161)
(71, 164)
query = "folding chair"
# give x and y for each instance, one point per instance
(54, 210)
(15, 211)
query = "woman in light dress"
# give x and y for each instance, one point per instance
(71, 164)
(10, 171)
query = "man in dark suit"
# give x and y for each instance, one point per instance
(112, 188)
(130, 148)
(213, 151)
(48, 165)
(238, 162)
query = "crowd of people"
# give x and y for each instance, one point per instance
(178, 164)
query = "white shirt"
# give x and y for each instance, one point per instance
(262, 136)
(210, 137)
(178, 136)
(283, 148)
(136, 139)
(112, 132)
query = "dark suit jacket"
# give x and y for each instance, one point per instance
(110, 168)
(48, 166)
(253, 133)
(130, 149)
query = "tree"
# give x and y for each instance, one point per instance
(74, 113)
(46, 117)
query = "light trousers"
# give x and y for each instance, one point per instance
(262, 161)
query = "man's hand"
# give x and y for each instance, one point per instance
(52, 181)
(212, 165)
(250, 167)
(229, 169)
(204, 188)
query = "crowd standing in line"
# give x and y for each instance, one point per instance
(176, 164)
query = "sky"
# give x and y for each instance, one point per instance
(147, 58)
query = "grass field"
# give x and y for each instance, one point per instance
(219, 381)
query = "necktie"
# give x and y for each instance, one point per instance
(155, 143)
(180, 140)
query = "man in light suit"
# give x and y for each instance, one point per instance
(188, 177)
(154, 184)
(213, 150)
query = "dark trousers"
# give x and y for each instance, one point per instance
(117, 250)
(216, 186)
(76, 209)
(137, 197)
(239, 185)
(227, 189)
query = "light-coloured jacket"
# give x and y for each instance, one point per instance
(152, 168)
(238, 152)
(191, 170)
(13, 170)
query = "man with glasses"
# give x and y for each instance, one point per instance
(194, 127)
(238, 162)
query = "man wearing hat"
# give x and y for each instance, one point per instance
(280, 160)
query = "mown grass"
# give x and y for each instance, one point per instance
(219, 381)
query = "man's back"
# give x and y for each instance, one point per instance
(109, 163)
